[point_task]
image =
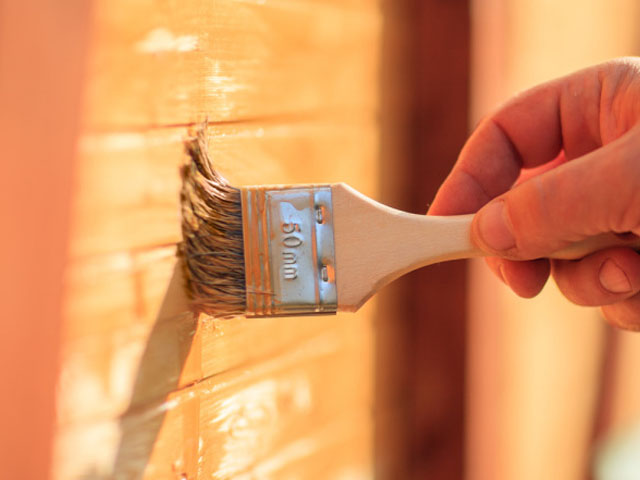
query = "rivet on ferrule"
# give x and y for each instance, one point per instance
(289, 250)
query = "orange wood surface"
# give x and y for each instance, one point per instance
(42, 53)
(145, 390)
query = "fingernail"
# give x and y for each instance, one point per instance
(613, 278)
(494, 229)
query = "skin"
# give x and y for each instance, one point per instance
(557, 164)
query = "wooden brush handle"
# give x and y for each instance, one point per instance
(376, 244)
(458, 230)
(593, 244)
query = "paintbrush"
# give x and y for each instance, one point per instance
(308, 249)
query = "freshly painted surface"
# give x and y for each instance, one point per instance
(146, 390)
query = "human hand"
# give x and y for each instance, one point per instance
(581, 136)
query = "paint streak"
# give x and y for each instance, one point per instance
(162, 40)
(125, 141)
(252, 417)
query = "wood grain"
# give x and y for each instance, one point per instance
(146, 390)
(174, 61)
(138, 314)
(230, 423)
(127, 184)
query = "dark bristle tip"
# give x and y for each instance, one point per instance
(212, 246)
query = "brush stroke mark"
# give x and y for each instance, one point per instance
(161, 40)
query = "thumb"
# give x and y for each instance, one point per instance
(596, 193)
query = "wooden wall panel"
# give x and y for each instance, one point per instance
(146, 390)
(128, 183)
(227, 424)
(138, 314)
(420, 342)
(436, 303)
(229, 60)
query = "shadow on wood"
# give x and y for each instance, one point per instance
(158, 375)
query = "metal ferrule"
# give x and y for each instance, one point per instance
(289, 250)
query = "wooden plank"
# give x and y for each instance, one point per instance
(230, 422)
(117, 302)
(146, 389)
(338, 449)
(127, 187)
(393, 362)
(129, 338)
(436, 302)
(178, 61)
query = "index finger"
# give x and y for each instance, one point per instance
(530, 130)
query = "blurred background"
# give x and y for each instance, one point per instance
(447, 375)
(500, 387)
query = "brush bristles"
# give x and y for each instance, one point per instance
(212, 248)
